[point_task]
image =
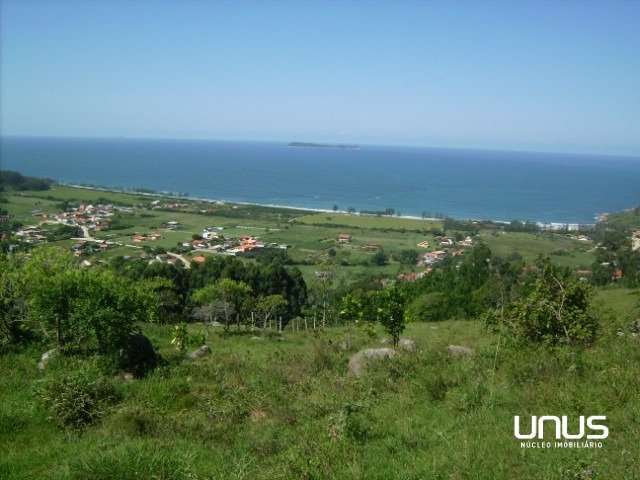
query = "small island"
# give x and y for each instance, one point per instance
(322, 145)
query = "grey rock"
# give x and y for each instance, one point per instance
(358, 361)
(138, 355)
(199, 352)
(407, 345)
(46, 358)
(457, 351)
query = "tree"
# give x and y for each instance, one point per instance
(271, 306)
(379, 258)
(408, 256)
(13, 308)
(226, 295)
(391, 312)
(84, 309)
(350, 308)
(429, 307)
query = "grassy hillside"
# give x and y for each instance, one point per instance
(285, 407)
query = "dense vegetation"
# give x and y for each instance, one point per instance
(17, 181)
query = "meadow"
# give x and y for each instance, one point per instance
(264, 406)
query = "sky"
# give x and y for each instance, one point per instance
(544, 75)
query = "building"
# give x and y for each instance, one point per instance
(423, 244)
(467, 242)
(635, 241)
(431, 258)
(344, 238)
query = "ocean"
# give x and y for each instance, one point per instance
(465, 184)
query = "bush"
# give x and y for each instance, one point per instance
(78, 399)
(556, 310)
(429, 307)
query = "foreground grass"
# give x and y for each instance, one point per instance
(285, 408)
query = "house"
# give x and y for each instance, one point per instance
(344, 238)
(249, 243)
(431, 258)
(172, 225)
(446, 242)
(423, 244)
(617, 274)
(413, 276)
(584, 275)
(467, 242)
(635, 240)
(210, 235)
(199, 259)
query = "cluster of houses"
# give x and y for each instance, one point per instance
(94, 217)
(143, 237)
(448, 247)
(157, 204)
(31, 234)
(211, 240)
(565, 227)
(580, 238)
(83, 248)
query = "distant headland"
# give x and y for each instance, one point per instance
(322, 145)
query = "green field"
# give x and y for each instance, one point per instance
(562, 250)
(369, 221)
(310, 236)
(287, 408)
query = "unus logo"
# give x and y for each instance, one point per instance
(561, 426)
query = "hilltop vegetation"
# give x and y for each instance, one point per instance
(10, 180)
(240, 366)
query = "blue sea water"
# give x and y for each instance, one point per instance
(495, 185)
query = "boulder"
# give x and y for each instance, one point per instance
(138, 357)
(358, 361)
(199, 352)
(407, 345)
(46, 358)
(457, 351)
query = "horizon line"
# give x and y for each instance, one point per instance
(330, 143)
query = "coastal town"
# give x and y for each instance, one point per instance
(94, 232)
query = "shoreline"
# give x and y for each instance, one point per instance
(312, 209)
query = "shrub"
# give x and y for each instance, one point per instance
(78, 399)
(429, 307)
(556, 310)
(391, 308)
